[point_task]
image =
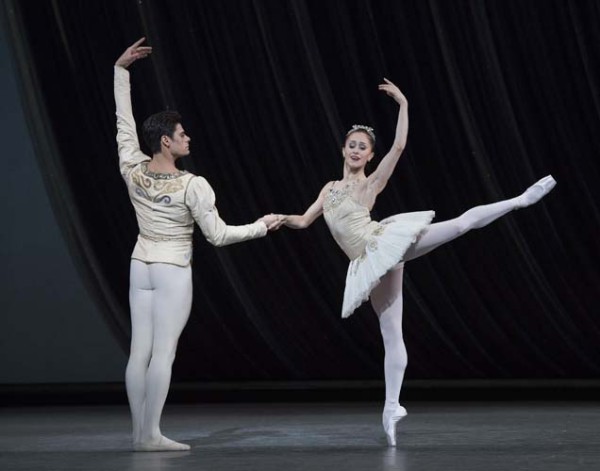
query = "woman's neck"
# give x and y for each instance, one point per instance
(354, 175)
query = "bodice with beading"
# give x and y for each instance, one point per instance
(350, 222)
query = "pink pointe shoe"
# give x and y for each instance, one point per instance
(389, 425)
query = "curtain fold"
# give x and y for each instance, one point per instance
(501, 93)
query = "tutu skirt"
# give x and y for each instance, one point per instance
(385, 248)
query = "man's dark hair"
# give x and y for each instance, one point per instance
(159, 125)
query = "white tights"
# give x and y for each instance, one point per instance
(386, 298)
(160, 297)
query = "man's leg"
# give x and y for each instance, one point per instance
(170, 312)
(140, 300)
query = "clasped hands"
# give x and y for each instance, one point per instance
(273, 221)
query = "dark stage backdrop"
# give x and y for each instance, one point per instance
(501, 93)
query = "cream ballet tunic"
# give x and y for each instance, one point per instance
(166, 205)
(373, 247)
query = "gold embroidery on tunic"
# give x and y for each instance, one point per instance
(162, 187)
(186, 238)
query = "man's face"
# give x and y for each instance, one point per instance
(179, 144)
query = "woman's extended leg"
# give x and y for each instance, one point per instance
(439, 233)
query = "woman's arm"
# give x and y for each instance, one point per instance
(312, 213)
(379, 178)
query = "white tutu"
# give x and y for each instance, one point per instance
(385, 248)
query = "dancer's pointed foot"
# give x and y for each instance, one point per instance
(390, 424)
(160, 444)
(536, 191)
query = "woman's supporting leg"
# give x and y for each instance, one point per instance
(386, 299)
(439, 233)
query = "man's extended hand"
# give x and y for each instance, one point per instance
(273, 221)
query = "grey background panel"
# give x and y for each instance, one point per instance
(50, 329)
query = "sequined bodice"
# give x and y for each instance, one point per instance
(349, 222)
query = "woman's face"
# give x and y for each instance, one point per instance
(357, 150)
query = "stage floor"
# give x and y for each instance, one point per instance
(324, 436)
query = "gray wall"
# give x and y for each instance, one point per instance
(50, 330)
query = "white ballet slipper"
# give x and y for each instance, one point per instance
(162, 444)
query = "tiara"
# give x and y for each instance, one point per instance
(362, 127)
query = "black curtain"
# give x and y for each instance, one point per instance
(501, 93)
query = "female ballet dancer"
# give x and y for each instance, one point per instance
(378, 250)
(167, 201)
